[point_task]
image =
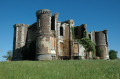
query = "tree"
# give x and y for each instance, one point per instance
(8, 56)
(88, 45)
(113, 54)
(85, 41)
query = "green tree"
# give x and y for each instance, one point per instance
(8, 56)
(113, 54)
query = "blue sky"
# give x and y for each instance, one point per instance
(97, 14)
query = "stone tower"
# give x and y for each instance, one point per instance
(20, 35)
(100, 39)
(43, 35)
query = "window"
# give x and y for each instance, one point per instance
(76, 31)
(61, 31)
(53, 23)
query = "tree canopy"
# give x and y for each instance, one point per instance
(88, 45)
(113, 54)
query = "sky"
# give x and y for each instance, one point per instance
(97, 14)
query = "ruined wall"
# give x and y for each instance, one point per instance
(93, 37)
(32, 31)
(66, 40)
(59, 41)
(79, 30)
(20, 35)
(54, 37)
(76, 48)
(81, 51)
(30, 48)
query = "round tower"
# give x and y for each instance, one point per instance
(43, 35)
(101, 44)
(20, 36)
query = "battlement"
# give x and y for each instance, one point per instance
(43, 11)
(21, 25)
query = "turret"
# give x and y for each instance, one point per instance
(20, 34)
(43, 41)
(100, 39)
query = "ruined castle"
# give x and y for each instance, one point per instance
(50, 39)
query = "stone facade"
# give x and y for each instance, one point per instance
(50, 39)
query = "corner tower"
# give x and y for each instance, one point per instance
(100, 39)
(20, 35)
(43, 35)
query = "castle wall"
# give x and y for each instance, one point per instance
(32, 32)
(30, 47)
(66, 40)
(81, 51)
(79, 30)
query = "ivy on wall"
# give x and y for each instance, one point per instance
(85, 41)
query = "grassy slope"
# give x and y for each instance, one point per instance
(73, 69)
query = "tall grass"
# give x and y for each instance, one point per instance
(71, 69)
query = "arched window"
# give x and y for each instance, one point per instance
(61, 31)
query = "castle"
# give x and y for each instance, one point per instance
(50, 39)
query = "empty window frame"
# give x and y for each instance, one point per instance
(61, 31)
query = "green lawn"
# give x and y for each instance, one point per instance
(71, 69)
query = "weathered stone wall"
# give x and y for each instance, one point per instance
(30, 48)
(93, 37)
(100, 38)
(56, 34)
(66, 40)
(32, 31)
(79, 30)
(76, 47)
(82, 51)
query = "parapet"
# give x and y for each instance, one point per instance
(21, 25)
(84, 25)
(43, 11)
(69, 21)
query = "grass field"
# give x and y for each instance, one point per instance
(71, 69)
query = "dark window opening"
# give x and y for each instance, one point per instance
(89, 36)
(53, 23)
(76, 31)
(61, 31)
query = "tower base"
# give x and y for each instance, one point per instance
(45, 57)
